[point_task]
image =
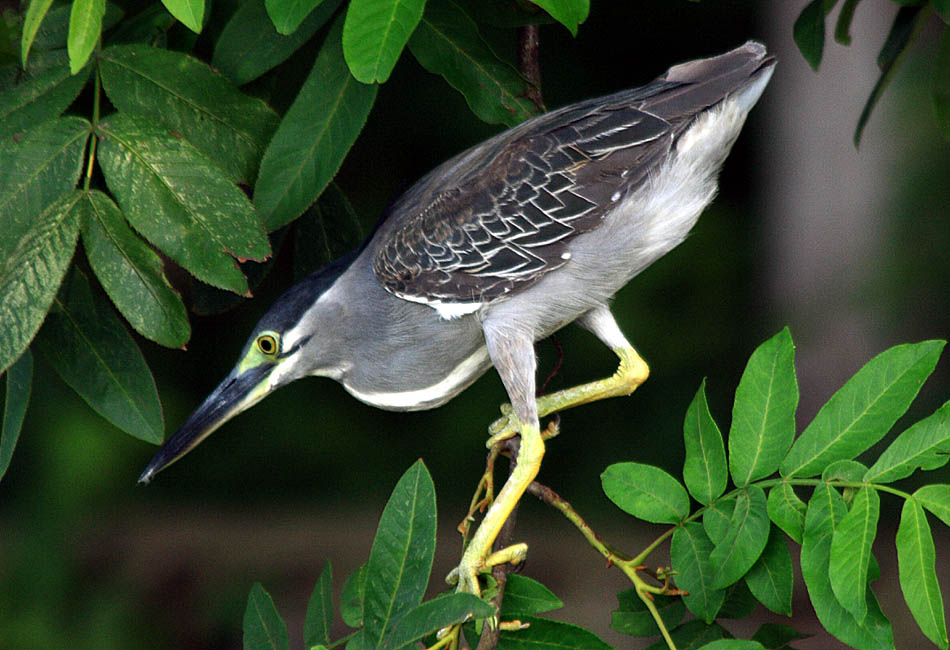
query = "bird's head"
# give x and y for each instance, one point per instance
(284, 346)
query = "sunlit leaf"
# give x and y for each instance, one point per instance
(287, 15)
(375, 33)
(86, 343)
(704, 469)
(936, 499)
(925, 445)
(844, 470)
(743, 543)
(689, 557)
(313, 138)
(850, 553)
(717, 517)
(916, 560)
(189, 12)
(85, 27)
(263, 627)
(864, 409)
(180, 201)
(569, 13)
(646, 492)
(39, 95)
(316, 625)
(19, 379)
(787, 510)
(193, 101)
(35, 12)
(771, 578)
(447, 43)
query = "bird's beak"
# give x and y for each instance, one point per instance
(239, 391)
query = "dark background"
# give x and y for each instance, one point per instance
(848, 248)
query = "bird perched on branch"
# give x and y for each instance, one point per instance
(495, 249)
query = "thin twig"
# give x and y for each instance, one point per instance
(528, 64)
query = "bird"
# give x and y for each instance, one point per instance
(496, 249)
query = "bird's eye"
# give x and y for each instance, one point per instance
(267, 344)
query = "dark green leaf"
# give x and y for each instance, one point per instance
(19, 380)
(287, 15)
(704, 469)
(734, 644)
(843, 26)
(85, 27)
(774, 636)
(689, 556)
(763, 417)
(375, 33)
(692, 635)
(316, 625)
(38, 96)
(189, 12)
(193, 101)
(35, 12)
(249, 45)
(809, 32)
(925, 445)
(742, 545)
(906, 26)
(85, 342)
(545, 634)
(526, 596)
(844, 470)
(771, 579)
(633, 618)
(313, 138)
(351, 600)
(131, 273)
(941, 82)
(263, 627)
(646, 492)
(826, 509)
(717, 517)
(787, 510)
(936, 498)
(326, 231)
(432, 616)
(916, 560)
(447, 43)
(942, 7)
(851, 552)
(399, 564)
(147, 26)
(739, 603)
(864, 409)
(180, 201)
(569, 13)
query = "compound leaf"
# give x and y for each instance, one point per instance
(704, 469)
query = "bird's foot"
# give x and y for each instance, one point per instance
(465, 575)
(508, 426)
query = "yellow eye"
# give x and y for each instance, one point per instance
(267, 344)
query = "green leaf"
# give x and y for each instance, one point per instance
(189, 12)
(313, 138)
(85, 27)
(692, 635)
(526, 596)
(19, 380)
(399, 564)
(771, 578)
(843, 26)
(907, 24)
(746, 538)
(851, 552)
(739, 603)
(826, 509)
(545, 634)
(375, 33)
(447, 43)
(326, 231)
(38, 95)
(569, 13)
(916, 560)
(763, 417)
(704, 470)
(942, 7)
(775, 636)
(351, 599)
(180, 201)
(131, 273)
(646, 492)
(717, 517)
(86, 344)
(287, 15)
(634, 619)
(844, 470)
(263, 627)
(925, 445)
(319, 618)
(787, 510)
(249, 45)
(936, 498)
(193, 101)
(429, 618)
(35, 12)
(941, 82)
(809, 32)
(734, 644)
(864, 409)
(689, 557)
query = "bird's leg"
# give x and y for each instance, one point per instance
(631, 372)
(513, 356)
